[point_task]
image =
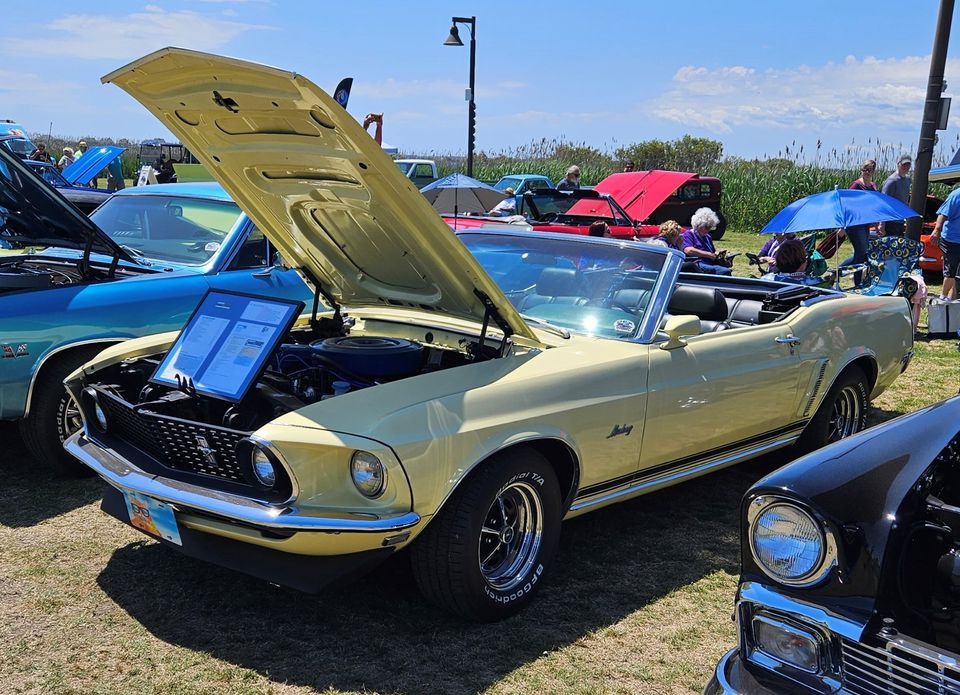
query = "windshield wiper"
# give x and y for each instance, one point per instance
(562, 332)
(138, 256)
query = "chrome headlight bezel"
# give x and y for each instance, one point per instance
(827, 559)
(285, 488)
(365, 462)
(92, 413)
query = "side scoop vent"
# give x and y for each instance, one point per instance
(818, 384)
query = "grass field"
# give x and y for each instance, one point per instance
(639, 600)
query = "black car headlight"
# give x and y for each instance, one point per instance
(788, 543)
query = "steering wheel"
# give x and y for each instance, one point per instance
(548, 217)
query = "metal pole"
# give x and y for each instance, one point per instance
(931, 109)
(472, 112)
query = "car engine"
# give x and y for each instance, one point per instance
(297, 374)
(928, 569)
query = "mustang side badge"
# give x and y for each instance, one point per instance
(620, 429)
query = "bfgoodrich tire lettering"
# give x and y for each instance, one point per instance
(842, 413)
(52, 417)
(487, 551)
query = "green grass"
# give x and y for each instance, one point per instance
(639, 599)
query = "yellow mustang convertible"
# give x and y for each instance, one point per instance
(457, 395)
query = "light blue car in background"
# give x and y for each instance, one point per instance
(71, 285)
(521, 183)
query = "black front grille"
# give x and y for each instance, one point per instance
(897, 670)
(175, 443)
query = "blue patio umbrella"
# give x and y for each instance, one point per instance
(843, 207)
(460, 194)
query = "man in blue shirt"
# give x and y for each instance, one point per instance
(947, 234)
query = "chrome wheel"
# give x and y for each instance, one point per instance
(510, 537)
(72, 422)
(847, 414)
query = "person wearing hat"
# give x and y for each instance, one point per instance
(81, 148)
(507, 206)
(898, 186)
(572, 180)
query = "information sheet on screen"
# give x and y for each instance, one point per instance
(226, 344)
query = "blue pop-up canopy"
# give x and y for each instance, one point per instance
(839, 208)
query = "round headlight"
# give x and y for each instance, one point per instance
(787, 542)
(101, 417)
(263, 467)
(368, 473)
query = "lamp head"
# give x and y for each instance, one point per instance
(454, 38)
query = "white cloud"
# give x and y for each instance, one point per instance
(129, 36)
(855, 93)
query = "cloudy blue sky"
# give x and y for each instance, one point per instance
(755, 75)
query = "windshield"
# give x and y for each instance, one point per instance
(404, 167)
(185, 231)
(50, 175)
(19, 146)
(560, 208)
(507, 182)
(596, 288)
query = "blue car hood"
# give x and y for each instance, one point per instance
(93, 161)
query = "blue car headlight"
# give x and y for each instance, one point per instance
(788, 543)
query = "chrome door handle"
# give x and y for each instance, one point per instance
(790, 340)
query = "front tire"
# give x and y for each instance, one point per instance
(842, 414)
(486, 552)
(54, 416)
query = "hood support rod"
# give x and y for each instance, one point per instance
(324, 325)
(490, 311)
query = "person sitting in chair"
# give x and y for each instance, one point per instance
(791, 263)
(698, 244)
(768, 252)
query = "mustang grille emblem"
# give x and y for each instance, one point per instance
(208, 453)
(620, 429)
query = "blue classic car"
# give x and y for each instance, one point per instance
(71, 285)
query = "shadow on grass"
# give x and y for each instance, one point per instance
(378, 634)
(29, 493)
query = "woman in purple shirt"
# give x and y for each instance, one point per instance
(698, 244)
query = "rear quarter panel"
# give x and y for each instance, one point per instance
(851, 327)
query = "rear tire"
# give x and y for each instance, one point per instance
(717, 233)
(486, 552)
(842, 413)
(54, 416)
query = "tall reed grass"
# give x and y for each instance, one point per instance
(754, 190)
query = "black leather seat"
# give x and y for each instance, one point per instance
(743, 312)
(555, 286)
(632, 300)
(707, 303)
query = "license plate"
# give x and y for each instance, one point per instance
(152, 516)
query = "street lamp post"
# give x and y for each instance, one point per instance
(454, 40)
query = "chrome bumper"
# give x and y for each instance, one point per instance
(125, 476)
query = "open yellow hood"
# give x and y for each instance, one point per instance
(315, 183)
